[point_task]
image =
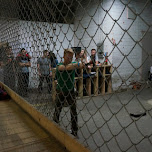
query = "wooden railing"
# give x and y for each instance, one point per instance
(87, 82)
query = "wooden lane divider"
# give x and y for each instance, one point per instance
(65, 138)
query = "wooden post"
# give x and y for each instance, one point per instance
(65, 138)
(106, 79)
(88, 83)
(110, 80)
(103, 81)
(96, 79)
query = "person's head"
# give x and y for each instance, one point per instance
(68, 55)
(23, 52)
(45, 53)
(9, 50)
(52, 56)
(93, 52)
(82, 53)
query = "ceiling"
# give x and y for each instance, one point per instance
(58, 11)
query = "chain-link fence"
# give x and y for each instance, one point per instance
(85, 65)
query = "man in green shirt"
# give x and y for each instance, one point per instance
(65, 73)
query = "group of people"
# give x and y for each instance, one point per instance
(92, 59)
(65, 73)
(16, 70)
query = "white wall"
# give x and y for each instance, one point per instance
(87, 31)
(9, 32)
(126, 57)
(35, 37)
(38, 36)
(94, 23)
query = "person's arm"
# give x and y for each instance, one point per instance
(28, 55)
(1, 64)
(18, 59)
(38, 69)
(13, 64)
(97, 59)
(21, 64)
(28, 64)
(50, 69)
(38, 66)
(71, 66)
(88, 59)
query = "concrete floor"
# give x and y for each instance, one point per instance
(105, 123)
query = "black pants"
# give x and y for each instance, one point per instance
(23, 81)
(48, 80)
(71, 101)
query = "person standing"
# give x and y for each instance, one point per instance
(65, 73)
(44, 71)
(53, 59)
(23, 73)
(9, 73)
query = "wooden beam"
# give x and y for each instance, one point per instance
(65, 138)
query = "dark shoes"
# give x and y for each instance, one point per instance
(75, 134)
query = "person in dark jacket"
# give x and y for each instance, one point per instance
(23, 72)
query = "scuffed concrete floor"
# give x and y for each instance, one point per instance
(105, 123)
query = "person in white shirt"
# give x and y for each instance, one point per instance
(93, 59)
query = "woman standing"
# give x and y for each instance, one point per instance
(83, 56)
(53, 59)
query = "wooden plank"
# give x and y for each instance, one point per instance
(88, 83)
(106, 72)
(103, 81)
(110, 81)
(96, 79)
(21, 138)
(63, 137)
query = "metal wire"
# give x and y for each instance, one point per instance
(113, 101)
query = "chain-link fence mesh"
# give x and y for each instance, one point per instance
(103, 94)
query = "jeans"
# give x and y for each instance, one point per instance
(48, 80)
(70, 97)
